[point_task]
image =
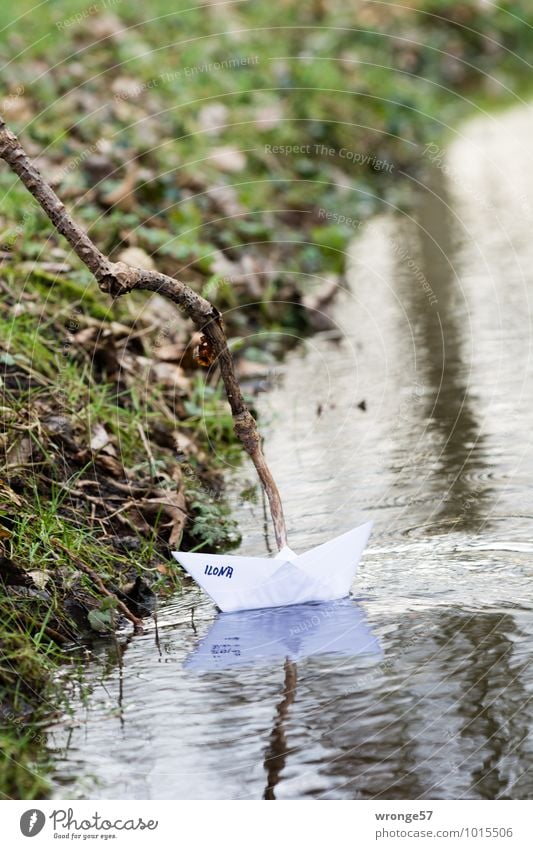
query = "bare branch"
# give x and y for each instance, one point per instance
(117, 278)
(137, 623)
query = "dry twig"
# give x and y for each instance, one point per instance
(137, 623)
(117, 279)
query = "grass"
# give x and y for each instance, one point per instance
(315, 108)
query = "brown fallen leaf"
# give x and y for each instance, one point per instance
(169, 505)
(185, 445)
(39, 577)
(137, 257)
(228, 159)
(19, 453)
(225, 199)
(110, 464)
(159, 311)
(101, 439)
(318, 304)
(170, 375)
(213, 117)
(49, 267)
(17, 108)
(57, 425)
(251, 370)
(248, 274)
(169, 353)
(177, 476)
(203, 353)
(123, 195)
(85, 336)
(126, 88)
(105, 26)
(268, 116)
(95, 327)
(8, 496)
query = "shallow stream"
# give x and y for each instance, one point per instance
(421, 686)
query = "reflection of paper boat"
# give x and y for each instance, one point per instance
(246, 583)
(296, 631)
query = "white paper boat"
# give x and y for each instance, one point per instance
(298, 631)
(235, 582)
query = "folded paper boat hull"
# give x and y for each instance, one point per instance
(235, 582)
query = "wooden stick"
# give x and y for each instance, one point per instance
(117, 279)
(137, 623)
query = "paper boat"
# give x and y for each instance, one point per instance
(298, 631)
(236, 583)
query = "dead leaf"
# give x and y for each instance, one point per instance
(99, 438)
(137, 257)
(86, 335)
(169, 353)
(58, 425)
(160, 311)
(17, 108)
(127, 88)
(177, 476)
(19, 453)
(225, 199)
(268, 117)
(171, 506)
(39, 577)
(318, 304)
(228, 159)
(251, 370)
(106, 25)
(248, 274)
(184, 444)
(170, 375)
(204, 353)
(98, 167)
(49, 267)
(7, 495)
(213, 117)
(111, 465)
(123, 195)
